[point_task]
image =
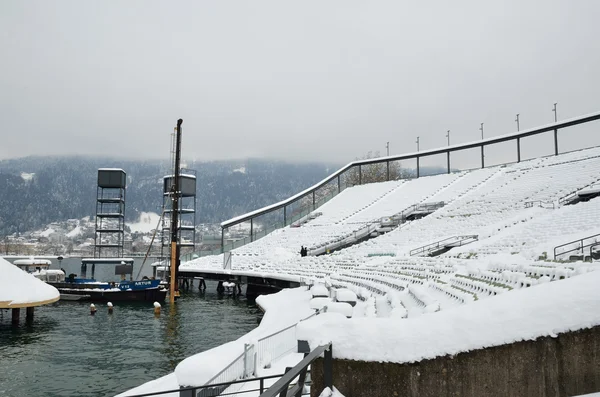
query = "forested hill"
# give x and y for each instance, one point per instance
(35, 191)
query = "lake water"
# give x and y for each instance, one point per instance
(67, 352)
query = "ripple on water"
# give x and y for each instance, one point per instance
(66, 352)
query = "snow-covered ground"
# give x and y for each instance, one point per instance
(505, 285)
(147, 222)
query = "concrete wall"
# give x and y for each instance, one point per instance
(568, 365)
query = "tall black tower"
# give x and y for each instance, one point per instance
(110, 213)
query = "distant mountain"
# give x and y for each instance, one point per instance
(35, 191)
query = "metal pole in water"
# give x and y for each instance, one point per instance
(173, 287)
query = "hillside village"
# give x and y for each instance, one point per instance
(75, 237)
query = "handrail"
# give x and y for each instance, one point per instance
(540, 203)
(574, 249)
(415, 155)
(193, 389)
(231, 364)
(574, 193)
(281, 387)
(321, 310)
(592, 249)
(436, 244)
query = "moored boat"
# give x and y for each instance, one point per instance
(80, 288)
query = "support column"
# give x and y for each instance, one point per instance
(222, 239)
(83, 272)
(251, 229)
(29, 313)
(556, 142)
(284, 216)
(482, 155)
(93, 269)
(448, 160)
(418, 171)
(15, 316)
(518, 150)
(388, 170)
(339, 185)
(313, 200)
(360, 174)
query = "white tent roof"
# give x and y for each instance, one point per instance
(20, 289)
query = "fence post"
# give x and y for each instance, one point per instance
(556, 142)
(251, 229)
(313, 200)
(388, 170)
(482, 162)
(360, 174)
(448, 160)
(328, 367)
(518, 150)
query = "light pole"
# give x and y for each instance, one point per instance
(387, 146)
(448, 152)
(481, 129)
(417, 144)
(555, 131)
(517, 120)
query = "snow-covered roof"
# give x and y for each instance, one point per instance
(32, 261)
(111, 169)
(550, 309)
(20, 289)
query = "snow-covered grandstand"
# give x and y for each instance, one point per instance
(513, 215)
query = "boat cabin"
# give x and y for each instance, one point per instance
(32, 265)
(40, 269)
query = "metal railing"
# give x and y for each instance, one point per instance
(581, 246)
(445, 243)
(282, 386)
(215, 389)
(575, 193)
(270, 347)
(540, 203)
(515, 136)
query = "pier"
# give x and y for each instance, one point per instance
(255, 285)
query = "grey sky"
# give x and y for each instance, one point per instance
(310, 80)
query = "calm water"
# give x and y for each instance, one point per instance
(67, 352)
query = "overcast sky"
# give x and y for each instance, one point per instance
(308, 80)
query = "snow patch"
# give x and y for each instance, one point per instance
(27, 176)
(146, 223)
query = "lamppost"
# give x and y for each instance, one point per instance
(448, 152)
(481, 129)
(517, 120)
(555, 131)
(417, 144)
(387, 146)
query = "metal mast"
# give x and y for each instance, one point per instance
(174, 288)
